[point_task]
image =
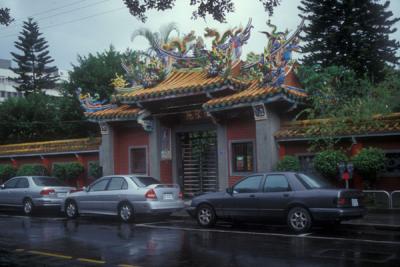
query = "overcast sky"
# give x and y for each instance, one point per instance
(74, 27)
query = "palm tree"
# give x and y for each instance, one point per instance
(156, 39)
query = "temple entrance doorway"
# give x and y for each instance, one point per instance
(198, 170)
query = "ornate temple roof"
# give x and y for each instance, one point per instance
(185, 67)
(181, 83)
(306, 129)
(48, 147)
(123, 112)
(255, 94)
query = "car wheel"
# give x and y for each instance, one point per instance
(71, 209)
(28, 207)
(299, 220)
(125, 212)
(206, 216)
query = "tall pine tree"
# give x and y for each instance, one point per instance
(34, 74)
(350, 33)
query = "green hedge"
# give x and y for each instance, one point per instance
(326, 162)
(32, 170)
(67, 171)
(369, 161)
(288, 163)
(95, 170)
(7, 171)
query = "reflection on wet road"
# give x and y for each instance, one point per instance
(90, 241)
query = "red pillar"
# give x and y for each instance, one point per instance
(46, 163)
(282, 151)
(81, 180)
(357, 179)
(14, 163)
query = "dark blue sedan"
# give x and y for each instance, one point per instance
(295, 198)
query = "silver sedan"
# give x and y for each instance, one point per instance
(125, 196)
(30, 192)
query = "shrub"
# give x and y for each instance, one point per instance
(326, 162)
(32, 169)
(95, 170)
(369, 162)
(67, 171)
(6, 172)
(288, 163)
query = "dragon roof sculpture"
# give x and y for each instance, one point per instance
(92, 104)
(276, 62)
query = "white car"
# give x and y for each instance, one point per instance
(125, 196)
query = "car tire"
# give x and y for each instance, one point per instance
(125, 212)
(71, 209)
(205, 216)
(299, 220)
(28, 207)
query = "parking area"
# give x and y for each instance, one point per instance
(51, 240)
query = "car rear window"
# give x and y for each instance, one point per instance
(47, 181)
(313, 182)
(144, 181)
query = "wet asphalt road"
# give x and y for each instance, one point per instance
(51, 240)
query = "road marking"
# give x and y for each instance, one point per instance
(169, 221)
(19, 250)
(26, 217)
(269, 234)
(127, 265)
(50, 254)
(91, 260)
(305, 234)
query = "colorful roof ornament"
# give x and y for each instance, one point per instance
(92, 104)
(186, 52)
(226, 49)
(145, 69)
(276, 62)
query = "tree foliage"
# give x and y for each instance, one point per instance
(7, 171)
(32, 170)
(288, 163)
(5, 17)
(40, 117)
(95, 170)
(326, 162)
(32, 69)
(67, 171)
(94, 73)
(336, 93)
(218, 9)
(354, 34)
(369, 161)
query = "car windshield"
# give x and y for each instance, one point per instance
(47, 181)
(145, 181)
(313, 182)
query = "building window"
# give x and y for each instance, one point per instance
(138, 160)
(3, 94)
(242, 157)
(392, 166)
(307, 163)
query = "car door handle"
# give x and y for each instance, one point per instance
(252, 196)
(286, 195)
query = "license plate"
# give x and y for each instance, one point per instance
(168, 197)
(61, 194)
(354, 202)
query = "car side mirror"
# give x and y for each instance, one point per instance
(2, 186)
(229, 190)
(86, 189)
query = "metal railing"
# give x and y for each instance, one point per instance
(395, 197)
(378, 199)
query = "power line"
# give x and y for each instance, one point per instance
(58, 14)
(52, 9)
(71, 21)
